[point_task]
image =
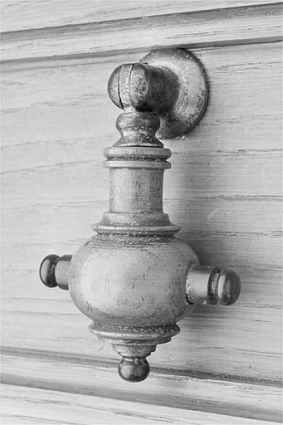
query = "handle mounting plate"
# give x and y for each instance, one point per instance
(193, 91)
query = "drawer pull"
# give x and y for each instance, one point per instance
(134, 279)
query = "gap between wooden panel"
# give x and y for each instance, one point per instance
(33, 406)
(18, 16)
(89, 377)
(239, 25)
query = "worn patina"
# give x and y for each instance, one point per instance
(135, 280)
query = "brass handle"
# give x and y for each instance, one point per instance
(54, 270)
(207, 285)
(134, 279)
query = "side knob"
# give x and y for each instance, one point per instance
(206, 285)
(54, 271)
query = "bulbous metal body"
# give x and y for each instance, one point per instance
(131, 281)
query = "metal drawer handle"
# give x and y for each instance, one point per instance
(135, 279)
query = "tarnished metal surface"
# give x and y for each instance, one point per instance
(54, 271)
(189, 106)
(170, 82)
(207, 285)
(135, 279)
(131, 281)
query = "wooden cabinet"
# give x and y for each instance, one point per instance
(224, 189)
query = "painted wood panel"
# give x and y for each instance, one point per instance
(33, 406)
(31, 14)
(159, 395)
(224, 189)
(207, 28)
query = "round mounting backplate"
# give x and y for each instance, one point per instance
(193, 91)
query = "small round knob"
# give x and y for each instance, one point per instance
(47, 270)
(53, 271)
(227, 287)
(133, 369)
(206, 285)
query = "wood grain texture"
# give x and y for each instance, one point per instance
(201, 29)
(83, 377)
(27, 406)
(224, 189)
(31, 14)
